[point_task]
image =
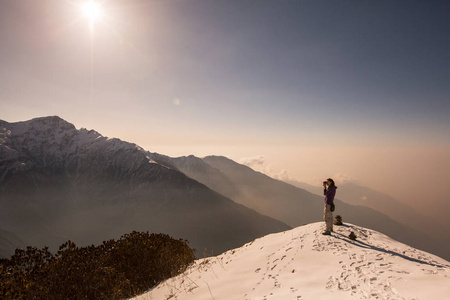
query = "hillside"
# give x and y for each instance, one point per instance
(9, 242)
(303, 264)
(58, 183)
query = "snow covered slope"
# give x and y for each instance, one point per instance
(303, 264)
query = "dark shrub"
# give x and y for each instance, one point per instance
(84, 273)
(24, 274)
(147, 259)
(112, 270)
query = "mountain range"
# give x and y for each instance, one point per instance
(58, 183)
(296, 206)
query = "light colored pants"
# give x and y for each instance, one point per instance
(328, 217)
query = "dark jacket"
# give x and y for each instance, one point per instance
(329, 194)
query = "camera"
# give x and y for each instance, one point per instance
(325, 182)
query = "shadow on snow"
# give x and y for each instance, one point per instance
(371, 247)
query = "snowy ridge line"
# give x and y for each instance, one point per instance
(303, 264)
(25, 144)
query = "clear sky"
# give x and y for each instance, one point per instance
(317, 88)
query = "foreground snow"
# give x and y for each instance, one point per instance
(303, 264)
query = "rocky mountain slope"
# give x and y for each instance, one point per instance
(59, 183)
(303, 264)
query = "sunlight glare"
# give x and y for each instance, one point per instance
(92, 10)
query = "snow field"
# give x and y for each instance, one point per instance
(303, 264)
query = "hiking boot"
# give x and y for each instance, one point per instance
(326, 233)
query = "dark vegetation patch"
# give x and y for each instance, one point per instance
(113, 270)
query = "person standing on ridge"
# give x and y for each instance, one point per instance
(329, 193)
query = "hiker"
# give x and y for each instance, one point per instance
(329, 193)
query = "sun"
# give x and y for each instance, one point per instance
(92, 10)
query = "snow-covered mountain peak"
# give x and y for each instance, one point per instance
(56, 129)
(304, 264)
(41, 126)
(22, 135)
(53, 131)
(55, 143)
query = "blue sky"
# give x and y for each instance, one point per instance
(241, 78)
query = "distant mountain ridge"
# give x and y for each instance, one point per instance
(293, 205)
(355, 194)
(59, 183)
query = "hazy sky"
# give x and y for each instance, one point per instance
(317, 88)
